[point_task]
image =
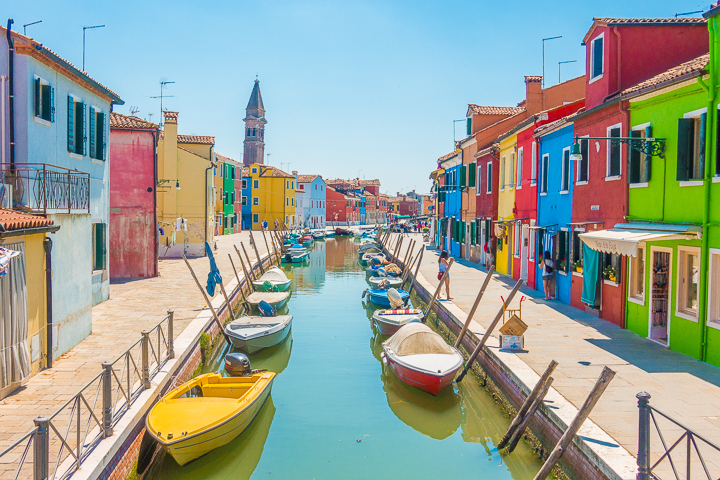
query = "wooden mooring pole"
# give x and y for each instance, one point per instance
(602, 383)
(240, 287)
(247, 257)
(526, 405)
(259, 259)
(474, 307)
(517, 435)
(247, 276)
(414, 279)
(267, 246)
(408, 255)
(437, 290)
(492, 326)
(207, 300)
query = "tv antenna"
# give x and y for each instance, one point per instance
(134, 110)
(28, 24)
(161, 96)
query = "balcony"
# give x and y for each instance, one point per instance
(44, 189)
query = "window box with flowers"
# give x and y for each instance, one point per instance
(578, 266)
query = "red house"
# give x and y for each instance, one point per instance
(335, 206)
(133, 233)
(620, 53)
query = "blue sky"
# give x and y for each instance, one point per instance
(368, 88)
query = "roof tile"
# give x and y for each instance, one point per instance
(486, 110)
(15, 220)
(696, 65)
(119, 121)
(202, 139)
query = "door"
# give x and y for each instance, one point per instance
(524, 249)
(468, 241)
(483, 240)
(660, 278)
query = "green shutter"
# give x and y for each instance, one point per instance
(100, 253)
(701, 156)
(472, 232)
(37, 97)
(102, 136)
(463, 176)
(472, 173)
(52, 104)
(83, 128)
(71, 124)
(684, 152)
(93, 134)
(469, 126)
(645, 168)
(634, 158)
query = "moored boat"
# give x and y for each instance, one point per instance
(390, 321)
(276, 299)
(380, 297)
(392, 282)
(253, 333)
(421, 358)
(273, 280)
(188, 427)
(295, 256)
(342, 231)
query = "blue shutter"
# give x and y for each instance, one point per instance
(37, 97)
(83, 129)
(93, 134)
(52, 104)
(71, 125)
(102, 143)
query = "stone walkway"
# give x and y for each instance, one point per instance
(682, 387)
(133, 306)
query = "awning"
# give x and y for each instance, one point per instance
(542, 227)
(623, 238)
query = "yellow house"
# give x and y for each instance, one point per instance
(506, 204)
(23, 298)
(273, 197)
(185, 201)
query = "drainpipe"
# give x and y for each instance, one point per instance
(623, 296)
(207, 172)
(47, 243)
(11, 90)
(3, 81)
(709, 157)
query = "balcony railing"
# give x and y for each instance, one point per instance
(44, 188)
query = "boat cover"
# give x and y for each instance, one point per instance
(417, 339)
(274, 275)
(270, 297)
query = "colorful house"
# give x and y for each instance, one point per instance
(273, 197)
(228, 171)
(336, 209)
(601, 194)
(133, 198)
(185, 198)
(451, 229)
(29, 332)
(508, 242)
(60, 148)
(314, 201)
(246, 199)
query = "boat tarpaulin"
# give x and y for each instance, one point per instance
(624, 238)
(274, 275)
(591, 264)
(417, 339)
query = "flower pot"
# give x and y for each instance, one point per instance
(613, 278)
(578, 269)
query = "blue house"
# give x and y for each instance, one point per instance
(246, 195)
(451, 223)
(554, 209)
(313, 200)
(61, 169)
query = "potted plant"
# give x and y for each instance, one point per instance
(579, 266)
(610, 273)
(563, 265)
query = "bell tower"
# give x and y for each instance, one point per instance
(254, 151)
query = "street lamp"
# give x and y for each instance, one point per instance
(652, 147)
(88, 28)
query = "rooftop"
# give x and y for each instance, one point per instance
(486, 110)
(270, 171)
(447, 155)
(642, 22)
(306, 178)
(225, 159)
(15, 220)
(119, 121)
(692, 68)
(201, 139)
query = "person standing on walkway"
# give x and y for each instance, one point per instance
(548, 270)
(443, 262)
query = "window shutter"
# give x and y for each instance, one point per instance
(37, 97)
(598, 57)
(584, 144)
(83, 129)
(701, 156)
(645, 168)
(469, 126)
(634, 160)
(685, 127)
(472, 233)
(71, 124)
(93, 134)
(103, 139)
(100, 253)
(463, 174)
(472, 173)
(52, 104)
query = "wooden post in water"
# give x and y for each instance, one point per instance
(247, 276)
(526, 405)
(267, 247)
(437, 290)
(408, 256)
(602, 382)
(259, 259)
(227, 301)
(489, 330)
(531, 411)
(398, 249)
(240, 287)
(414, 279)
(207, 300)
(247, 257)
(406, 275)
(474, 307)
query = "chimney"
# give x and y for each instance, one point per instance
(533, 94)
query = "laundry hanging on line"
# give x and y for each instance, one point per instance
(5, 256)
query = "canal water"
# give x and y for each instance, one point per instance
(336, 413)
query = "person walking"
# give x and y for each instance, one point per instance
(443, 264)
(548, 270)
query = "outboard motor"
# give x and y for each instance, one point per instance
(237, 365)
(375, 262)
(394, 298)
(267, 310)
(288, 257)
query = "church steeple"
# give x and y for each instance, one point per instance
(254, 151)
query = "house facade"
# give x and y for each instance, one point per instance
(314, 201)
(273, 197)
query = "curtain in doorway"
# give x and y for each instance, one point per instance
(14, 351)
(591, 264)
(548, 242)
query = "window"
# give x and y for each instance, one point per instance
(44, 100)
(562, 251)
(531, 242)
(517, 239)
(597, 60)
(99, 252)
(691, 146)
(637, 277)
(287, 202)
(511, 171)
(292, 202)
(518, 180)
(502, 174)
(714, 278)
(244, 183)
(76, 137)
(255, 218)
(533, 167)
(488, 187)
(576, 251)
(688, 282)
(302, 187)
(614, 162)
(565, 180)
(582, 165)
(255, 184)
(254, 170)
(97, 134)
(639, 164)
(610, 264)
(244, 200)
(256, 201)
(544, 173)
(478, 182)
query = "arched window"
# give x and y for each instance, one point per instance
(254, 132)
(249, 132)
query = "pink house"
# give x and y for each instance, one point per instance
(133, 179)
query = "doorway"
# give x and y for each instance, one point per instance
(524, 243)
(660, 277)
(483, 239)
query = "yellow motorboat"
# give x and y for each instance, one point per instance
(207, 412)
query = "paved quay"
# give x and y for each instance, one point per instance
(133, 306)
(684, 388)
